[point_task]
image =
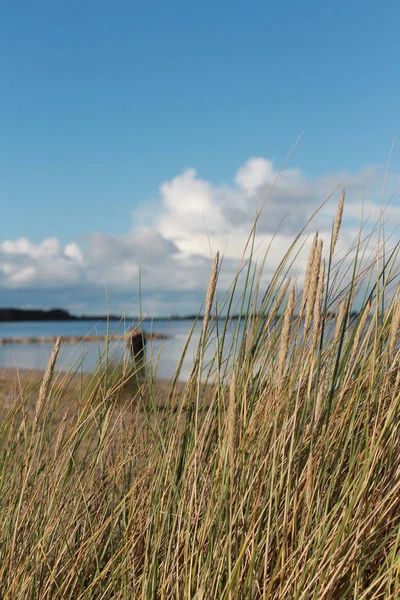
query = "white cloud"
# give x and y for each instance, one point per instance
(254, 174)
(23, 276)
(170, 241)
(23, 247)
(73, 252)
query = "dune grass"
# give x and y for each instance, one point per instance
(273, 473)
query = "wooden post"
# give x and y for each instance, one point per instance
(137, 342)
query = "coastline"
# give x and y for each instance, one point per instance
(78, 339)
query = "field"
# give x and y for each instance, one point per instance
(274, 475)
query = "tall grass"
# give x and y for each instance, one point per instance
(273, 475)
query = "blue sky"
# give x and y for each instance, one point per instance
(102, 104)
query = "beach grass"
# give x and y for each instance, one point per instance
(272, 473)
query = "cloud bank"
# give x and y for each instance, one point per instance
(173, 240)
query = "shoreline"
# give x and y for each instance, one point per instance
(78, 339)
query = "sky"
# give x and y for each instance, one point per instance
(137, 139)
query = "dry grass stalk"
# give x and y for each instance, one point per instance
(394, 327)
(285, 335)
(60, 436)
(360, 330)
(21, 433)
(307, 276)
(338, 221)
(340, 319)
(212, 284)
(232, 427)
(277, 303)
(313, 285)
(317, 316)
(318, 305)
(309, 481)
(46, 383)
(320, 394)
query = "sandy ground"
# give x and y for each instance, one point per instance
(73, 394)
(25, 383)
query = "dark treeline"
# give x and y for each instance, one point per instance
(59, 314)
(54, 314)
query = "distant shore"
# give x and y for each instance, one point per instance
(15, 315)
(77, 339)
(19, 315)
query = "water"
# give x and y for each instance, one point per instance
(162, 355)
(85, 356)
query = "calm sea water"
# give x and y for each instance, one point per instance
(164, 355)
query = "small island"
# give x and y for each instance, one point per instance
(8, 315)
